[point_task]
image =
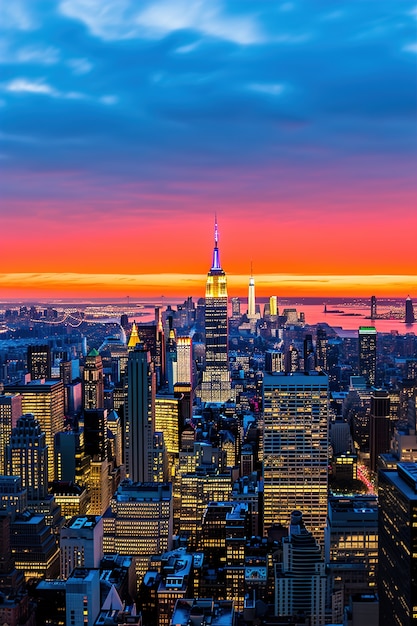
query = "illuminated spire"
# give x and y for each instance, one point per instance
(216, 255)
(134, 338)
(251, 295)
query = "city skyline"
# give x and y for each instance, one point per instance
(125, 129)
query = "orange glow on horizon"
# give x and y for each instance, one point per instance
(72, 285)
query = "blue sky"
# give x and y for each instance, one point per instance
(165, 108)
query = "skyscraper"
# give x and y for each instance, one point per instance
(379, 426)
(373, 308)
(140, 415)
(10, 411)
(409, 311)
(295, 441)
(93, 381)
(216, 386)
(27, 456)
(184, 360)
(251, 297)
(45, 399)
(397, 561)
(367, 354)
(39, 362)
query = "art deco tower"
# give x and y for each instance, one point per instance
(216, 386)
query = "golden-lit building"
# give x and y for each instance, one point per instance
(99, 486)
(295, 449)
(167, 420)
(10, 411)
(216, 385)
(138, 522)
(45, 399)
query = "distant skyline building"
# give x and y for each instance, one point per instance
(367, 354)
(295, 448)
(216, 385)
(251, 296)
(373, 308)
(409, 311)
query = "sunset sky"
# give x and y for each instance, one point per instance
(126, 126)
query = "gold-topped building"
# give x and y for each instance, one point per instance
(216, 386)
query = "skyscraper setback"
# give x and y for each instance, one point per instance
(216, 386)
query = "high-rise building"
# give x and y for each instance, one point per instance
(321, 348)
(81, 543)
(273, 307)
(367, 354)
(184, 360)
(138, 522)
(140, 425)
(27, 456)
(300, 586)
(10, 411)
(251, 298)
(409, 311)
(373, 308)
(397, 558)
(167, 420)
(39, 362)
(93, 381)
(216, 386)
(295, 448)
(95, 433)
(45, 399)
(351, 548)
(82, 597)
(236, 307)
(379, 426)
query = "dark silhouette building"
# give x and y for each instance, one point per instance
(397, 560)
(39, 362)
(409, 311)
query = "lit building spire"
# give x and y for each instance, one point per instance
(216, 255)
(134, 337)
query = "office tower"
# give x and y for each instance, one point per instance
(99, 486)
(351, 548)
(251, 297)
(72, 465)
(171, 360)
(153, 338)
(367, 354)
(93, 381)
(27, 456)
(273, 307)
(138, 522)
(292, 360)
(308, 353)
(140, 425)
(45, 399)
(236, 307)
(321, 348)
(39, 362)
(379, 426)
(409, 311)
(300, 578)
(274, 361)
(216, 386)
(167, 420)
(73, 499)
(13, 497)
(295, 454)
(81, 543)
(115, 437)
(184, 360)
(373, 308)
(397, 560)
(82, 597)
(34, 546)
(10, 411)
(95, 433)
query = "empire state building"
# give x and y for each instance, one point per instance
(215, 386)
